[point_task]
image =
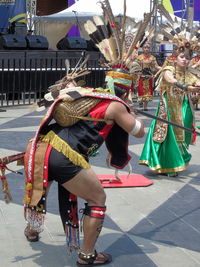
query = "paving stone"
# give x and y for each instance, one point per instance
(144, 227)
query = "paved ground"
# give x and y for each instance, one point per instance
(145, 227)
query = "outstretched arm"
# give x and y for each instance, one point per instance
(168, 76)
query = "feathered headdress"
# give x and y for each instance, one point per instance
(79, 70)
(57, 89)
(111, 39)
(186, 39)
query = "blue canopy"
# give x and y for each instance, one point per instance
(179, 9)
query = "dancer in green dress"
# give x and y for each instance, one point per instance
(166, 147)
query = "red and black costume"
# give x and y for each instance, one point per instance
(68, 151)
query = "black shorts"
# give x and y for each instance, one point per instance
(60, 168)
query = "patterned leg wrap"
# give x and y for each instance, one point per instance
(97, 212)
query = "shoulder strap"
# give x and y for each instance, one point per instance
(88, 118)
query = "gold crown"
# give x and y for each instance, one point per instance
(186, 39)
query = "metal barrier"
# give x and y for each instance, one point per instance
(26, 75)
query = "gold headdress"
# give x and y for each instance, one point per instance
(186, 39)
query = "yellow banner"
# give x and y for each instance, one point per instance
(167, 4)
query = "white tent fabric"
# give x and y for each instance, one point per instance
(53, 26)
(85, 9)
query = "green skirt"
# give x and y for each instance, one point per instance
(169, 156)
